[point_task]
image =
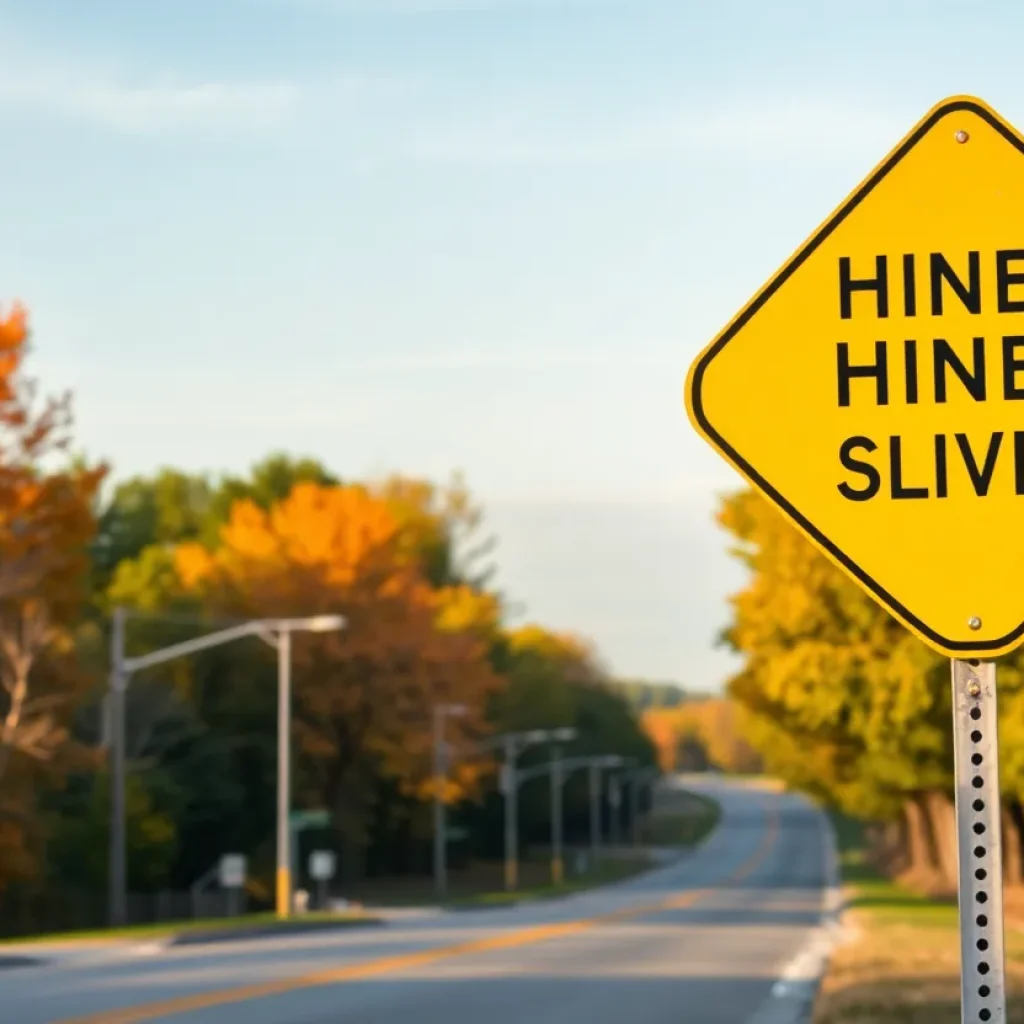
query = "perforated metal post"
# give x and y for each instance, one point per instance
(979, 843)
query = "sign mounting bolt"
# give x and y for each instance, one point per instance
(961, 136)
(974, 622)
(974, 688)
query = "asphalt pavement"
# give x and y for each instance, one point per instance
(732, 933)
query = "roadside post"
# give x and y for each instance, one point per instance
(322, 867)
(231, 871)
(871, 392)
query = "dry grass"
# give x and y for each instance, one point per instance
(901, 963)
(908, 973)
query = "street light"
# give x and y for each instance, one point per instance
(615, 802)
(514, 744)
(637, 778)
(596, 764)
(557, 861)
(278, 633)
(441, 712)
(560, 770)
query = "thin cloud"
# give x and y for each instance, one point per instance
(386, 7)
(761, 130)
(145, 106)
(513, 357)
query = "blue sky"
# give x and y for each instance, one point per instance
(427, 235)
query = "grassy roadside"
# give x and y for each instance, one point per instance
(195, 928)
(901, 962)
(694, 820)
(604, 873)
(684, 824)
(684, 829)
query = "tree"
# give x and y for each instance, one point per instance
(46, 524)
(364, 696)
(715, 724)
(843, 701)
(557, 680)
(439, 529)
(172, 507)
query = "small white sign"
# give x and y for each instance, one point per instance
(232, 871)
(322, 865)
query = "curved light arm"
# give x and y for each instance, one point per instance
(265, 628)
(199, 643)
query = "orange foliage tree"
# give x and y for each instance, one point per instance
(46, 523)
(710, 728)
(364, 696)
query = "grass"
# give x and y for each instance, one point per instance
(194, 927)
(901, 963)
(687, 828)
(683, 820)
(682, 824)
(605, 872)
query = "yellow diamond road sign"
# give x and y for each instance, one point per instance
(874, 388)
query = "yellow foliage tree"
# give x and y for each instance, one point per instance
(843, 701)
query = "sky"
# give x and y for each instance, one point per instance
(437, 235)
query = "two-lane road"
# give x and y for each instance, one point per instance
(703, 940)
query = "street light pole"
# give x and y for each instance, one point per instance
(277, 632)
(440, 839)
(634, 805)
(614, 809)
(284, 733)
(441, 712)
(511, 815)
(116, 732)
(557, 866)
(595, 810)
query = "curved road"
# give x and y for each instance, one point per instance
(731, 934)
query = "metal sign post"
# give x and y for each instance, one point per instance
(979, 842)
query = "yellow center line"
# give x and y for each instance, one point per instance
(405, 961)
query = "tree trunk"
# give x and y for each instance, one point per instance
(919, 850)
(895, 858)
(942, 819)
(1013, 823)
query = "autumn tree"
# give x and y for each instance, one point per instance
(46, 523)
(155, 513)
(715, 724)
(557, 679)
(440, 528)
(843, 701)
(363, 696)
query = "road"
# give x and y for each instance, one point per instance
(722, 936)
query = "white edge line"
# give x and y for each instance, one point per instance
(792, 996)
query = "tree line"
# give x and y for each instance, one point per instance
(406, 561)
(847, 705)
(700, 734)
